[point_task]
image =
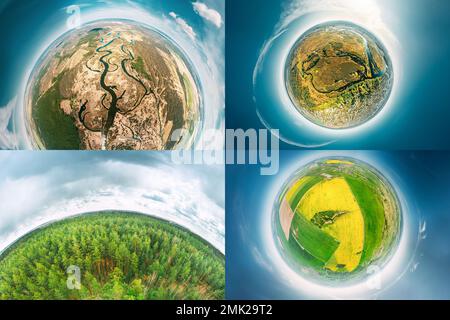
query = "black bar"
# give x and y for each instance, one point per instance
(224, 309)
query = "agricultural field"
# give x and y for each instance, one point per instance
(113, 85)
(120, 255)
(338, 75)
(336, 217)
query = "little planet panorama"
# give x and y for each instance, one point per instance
(336, 217)
(113, 85)
(338, 75)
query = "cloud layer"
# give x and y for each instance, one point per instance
(184, 25)
(8, 139)
(208, 14)
(200, 39)
(36, 188)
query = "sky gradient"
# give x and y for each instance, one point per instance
(420, 178)
(36, 188)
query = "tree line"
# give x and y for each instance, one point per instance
(119, 256)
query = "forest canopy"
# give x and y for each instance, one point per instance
(119, 255)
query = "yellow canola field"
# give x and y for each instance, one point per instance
(297, 185)
(348, 229)
(337, 161)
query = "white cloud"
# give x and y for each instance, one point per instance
(206, 53)
(208, 14)
(366, 13)
(8, 139)
(20, 197)
(56, 189)
(184, 25)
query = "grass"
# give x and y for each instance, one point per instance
(302, 257)
(373, 212)
(139, 66)
(175, 113)
(312, 239)
(357, 92)
(90, 38)
(56, 129)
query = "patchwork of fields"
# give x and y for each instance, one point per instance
(338, 216)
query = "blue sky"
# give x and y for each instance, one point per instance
(38, 187)
(414, 31)
(196, 26)
(422, 182)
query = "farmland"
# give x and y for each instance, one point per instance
(338, 216)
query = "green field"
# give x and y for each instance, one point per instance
(140, 68)
(307, 236)
(120, 256)
(373, 212)
(57, 130)
(345, 217)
